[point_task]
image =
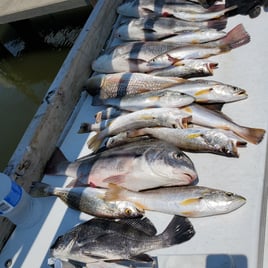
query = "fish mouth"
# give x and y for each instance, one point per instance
(189, 177)
(211, 66)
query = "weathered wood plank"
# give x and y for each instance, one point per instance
(40, 139)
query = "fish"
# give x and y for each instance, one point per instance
(195, 36)
(109, 240)
(188, 201)
(88, 200)
(188, 69)
(136, 166)
(126, 83)
(151, 117)
(210, 91)
(237, 37)
(198, 140)
(216, 119)
(130, 57)
(151, 99)
(123, 138)
(151, 28)
(183, 10)
(202, 16)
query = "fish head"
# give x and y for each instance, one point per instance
(125, 209)
(229, 93)
(220, 142)
(221, 202)
(170, 162)
(62, 247)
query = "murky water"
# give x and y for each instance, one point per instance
(24, 81)
(27, 71)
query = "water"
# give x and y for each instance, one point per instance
(24, 80)
(28, 70)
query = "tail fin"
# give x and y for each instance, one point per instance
(178, 231)
(218, 24)
(98, 126)
(84, 128)
(237, 37)
(253, 135)
(56, 161)
(95, 142)
(40, 189)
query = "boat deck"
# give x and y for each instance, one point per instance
(236, 239)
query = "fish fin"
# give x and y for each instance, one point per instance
(144, 225)
(253, 135)
(117, 179)
(136, 133)
(194, 135)
(95, 142)
(115, 192)
(142, 258)
(98, 117)
(189, 201)
(236, 37)
(178, 231)
(214, 8)
(84, 128)
(174, 61)
(203, 92)
(56, 159)
(218, 24)
(213, 106)
(40, 189)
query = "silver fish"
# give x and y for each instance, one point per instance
(210, 91)
(199, 140)
(188, 201)
(88, 200)
(136, 166)
(151, 117)
(196, 36)
(188, 69)
(103, 239)
(152, 99)
(153, 28)
(120, 84)
(215, 119)
(130, 57)
(235, 38)
(141, 8)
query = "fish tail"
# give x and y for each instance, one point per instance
(40, 189)
(137, 132)
(237, 37)
(95, 142)
(218, 24)
(214, 8)
(84, 128)
(56, 163)
(253, 135)
(179, 230)
(98, 126)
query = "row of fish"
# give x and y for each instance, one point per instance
(155, 112)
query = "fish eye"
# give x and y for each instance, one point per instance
(229, 194)
(177, 155)
(128, 211)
